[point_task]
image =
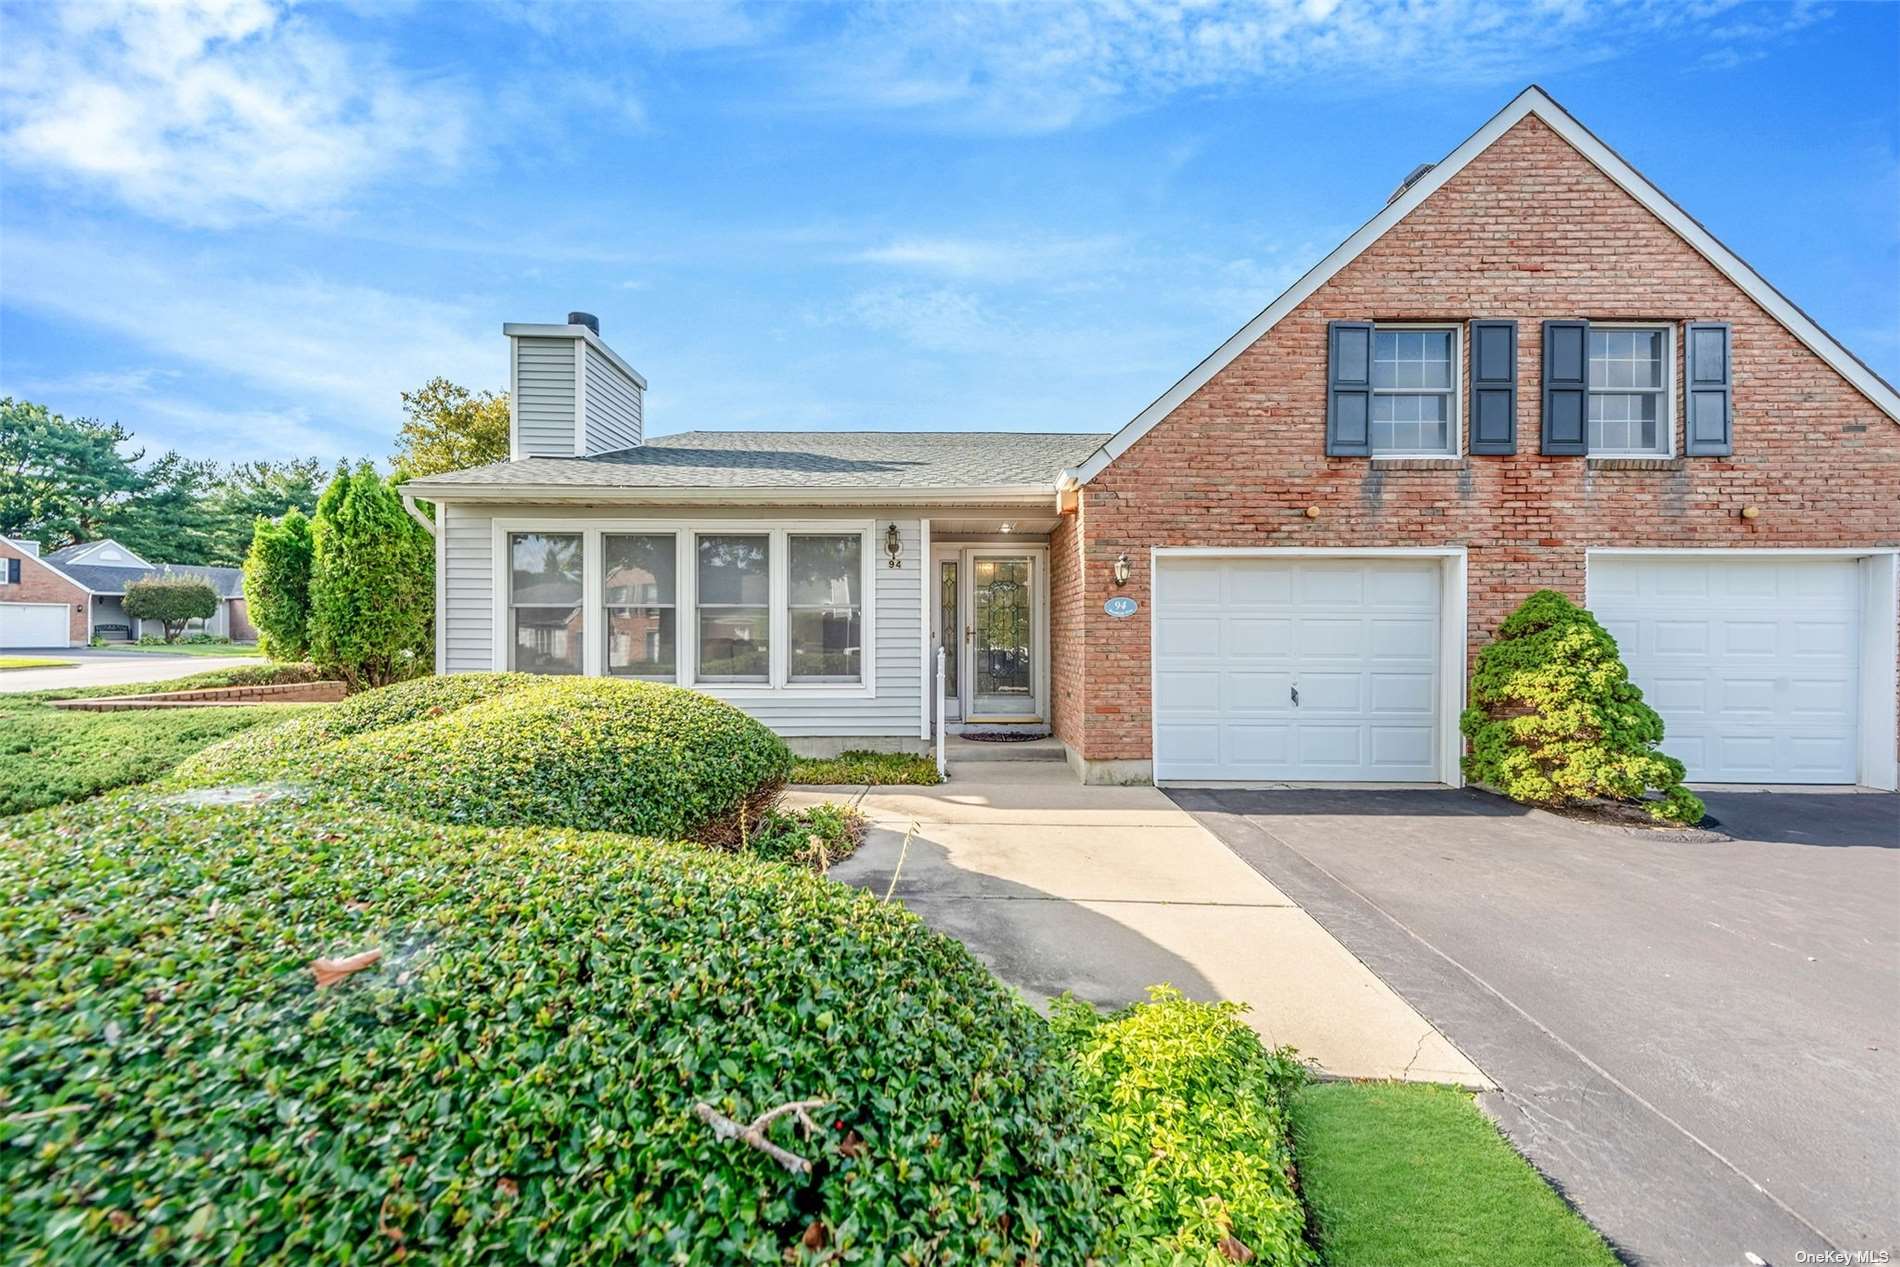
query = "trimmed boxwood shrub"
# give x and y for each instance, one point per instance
(280, 750)
(1188, 1116)
(523, 750)
(515, 1079)
(1555, 719)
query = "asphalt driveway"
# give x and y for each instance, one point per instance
(94, 667)
(1697, 1040)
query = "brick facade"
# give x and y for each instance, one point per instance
(1530, 230)
(41, 584)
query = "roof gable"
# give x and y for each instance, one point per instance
(1532, 101)
(105, 552)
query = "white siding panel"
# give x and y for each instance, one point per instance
(467, 622)
(544, 396)
(614, 408)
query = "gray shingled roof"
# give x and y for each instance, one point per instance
(803, 459)
(229, 582)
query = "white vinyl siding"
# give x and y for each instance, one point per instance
(544, 397)
(614, 409)
(889, 706)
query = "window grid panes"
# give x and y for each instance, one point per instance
(1627, 410)
(735, 610)
(1412, 384)
(638, 584)
(825, 598)
(544, 602)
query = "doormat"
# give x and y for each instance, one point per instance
(999, 736)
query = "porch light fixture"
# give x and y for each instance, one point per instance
(893, 545)
(1121, 569)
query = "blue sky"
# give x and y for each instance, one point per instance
(241, 228)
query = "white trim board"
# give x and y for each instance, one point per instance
(1533, 100)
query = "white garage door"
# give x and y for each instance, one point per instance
(33, 625)
(1753, 663)
(1320, 669)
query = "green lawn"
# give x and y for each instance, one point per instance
(186, 648)
(882, 768)
(32, 662)
(1408, 1175)
(49, 756)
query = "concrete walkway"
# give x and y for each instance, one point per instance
(1104, 891)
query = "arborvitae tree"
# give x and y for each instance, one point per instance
(1555, 719)
(372, 583)
(277, 584)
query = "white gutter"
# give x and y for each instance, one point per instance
(789, 495)
(409, 504)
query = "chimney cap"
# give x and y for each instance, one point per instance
(587, 319)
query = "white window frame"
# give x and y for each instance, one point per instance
(605, 607)
(507, 640)
(774, 569)
(1666, 424)
(1454, 418)
(865, 650)
(686, 534)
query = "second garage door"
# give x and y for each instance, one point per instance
(1307, 670)
(1753, 662)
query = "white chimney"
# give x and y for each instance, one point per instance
(569, 394)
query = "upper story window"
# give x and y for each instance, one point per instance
(1629, 405)
(544, 602)
(1414, 391)
(640, 594)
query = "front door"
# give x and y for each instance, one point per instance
(1000, 637)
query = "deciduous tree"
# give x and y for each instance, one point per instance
(173, 601)
(449, 428)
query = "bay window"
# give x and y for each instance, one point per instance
(735, 607)
(544, 601)
(640, 594)
(825, 601)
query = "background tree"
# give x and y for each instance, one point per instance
(246, 490)
(1555, 719)
(448, 428)
(173, 601)
(277, 584)
(166, 518)
(372, 583)
(60, 478)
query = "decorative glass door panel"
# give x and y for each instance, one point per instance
(949, 635)
(1002, 636)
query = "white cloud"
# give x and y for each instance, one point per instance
(938, 319)
(992, 259)
(209, 112)
(1021, 66)
(325, 361)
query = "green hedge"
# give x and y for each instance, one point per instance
(1555, 719)
(515, 1080)
(281, 750)
(1188, 1116)
(521, 750)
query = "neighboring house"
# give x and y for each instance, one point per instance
(87, 581)
(1530, 369)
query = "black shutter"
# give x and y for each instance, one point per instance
(1708, 432)
(1493, 387)
(1349, 389)
(1566, 387)
(13, 571)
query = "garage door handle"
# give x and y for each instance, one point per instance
(1294, 691)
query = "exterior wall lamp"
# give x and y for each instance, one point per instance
(893, 545)
(1121, 569)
